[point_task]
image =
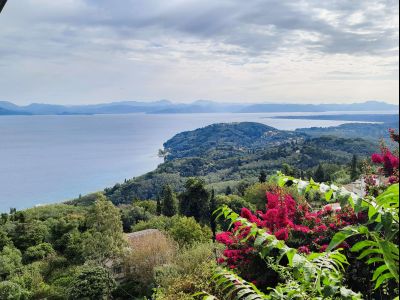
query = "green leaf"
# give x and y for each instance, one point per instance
(387, 221)
(351, 202)
(362, 229)
(369, 252)
(385, 247)
(328, 195)
(374, 260)
(358, 205)
(259, 240)
(347, 293)
(252, 297)
(205, 295)
(290, 254)
(372, 212)
(244, 292)
(339, 238)
(379, 271)
(390, 195)
(360, 245)
(282, 181)
(382, 279)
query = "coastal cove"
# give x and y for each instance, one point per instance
(46, 159)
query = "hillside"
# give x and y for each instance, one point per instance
(228, 154)
(7, 112)
(367, 131)
(219, 140)
(366, 106)
(381, 118)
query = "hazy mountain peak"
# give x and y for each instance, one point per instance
(164, 106)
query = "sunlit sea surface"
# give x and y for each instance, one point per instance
(46, 159)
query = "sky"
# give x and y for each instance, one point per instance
(276, 51)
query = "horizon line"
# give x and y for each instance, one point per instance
(206, 100)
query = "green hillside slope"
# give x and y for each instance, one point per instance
(228, 154)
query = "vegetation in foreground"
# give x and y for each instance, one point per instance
(279, 238)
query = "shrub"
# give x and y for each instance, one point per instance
(92, 283)
(74, 250)
(31, 279)
(294, 275)
(183, 286)
(384, 164)
(183, 230)
(38, 252)
(11, 291)
(189, 273)
(289, 221)
(161, 223)
(104, 239)
(149, 205)
(186, 231)
(4, 239)
(10, 261)
(61, 279)
(234, 202)
(132, 214)
(29, 234)
(148, 252)
(255, 194)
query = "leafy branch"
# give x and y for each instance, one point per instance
(379, 247)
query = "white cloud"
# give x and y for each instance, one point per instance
(87, 51)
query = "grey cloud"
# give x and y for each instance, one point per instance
(257, 26)
(233, 22)
(136, 44)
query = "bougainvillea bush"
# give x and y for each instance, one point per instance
(293, 222)
(384, 170)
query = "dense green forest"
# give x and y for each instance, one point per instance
(367, 131)
(233, 155)
(217, 221)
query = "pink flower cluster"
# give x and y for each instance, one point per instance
(288, 221)
(389, 162)
(235, 252)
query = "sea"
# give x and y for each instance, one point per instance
(49, 159)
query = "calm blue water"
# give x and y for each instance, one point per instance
(46, 159)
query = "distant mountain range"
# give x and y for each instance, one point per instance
(200, 106)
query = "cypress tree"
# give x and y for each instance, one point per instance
(241, 187)
(158, 208)
(353, 168)
(263, 177)
(287, 170)
(168, 202)
(319, 174)
(228, 190)
(195, 200)
(213, 207)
